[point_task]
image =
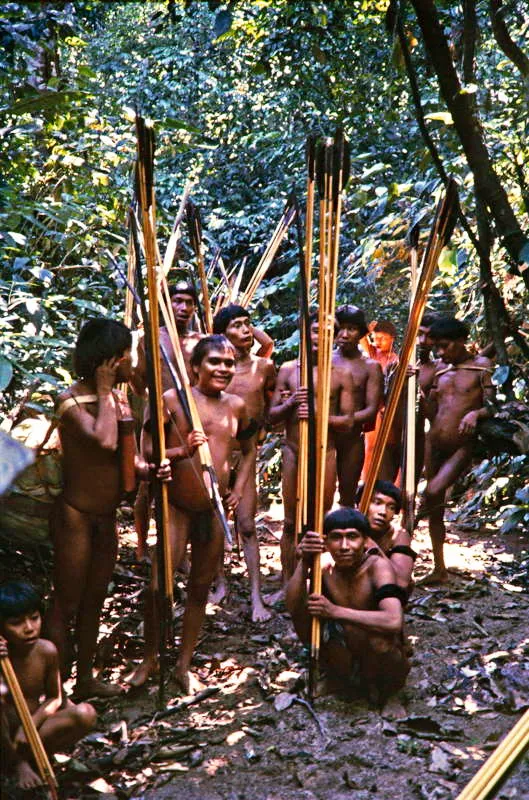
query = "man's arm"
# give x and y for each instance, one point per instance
(103, 428)
(387, 619)
(470, 420)
(284, 400)
(267, 343)
(138, 378)
(247, 462)
(269, 387)
(374, 395)
(402, 563)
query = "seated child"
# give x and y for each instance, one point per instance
(35, 662)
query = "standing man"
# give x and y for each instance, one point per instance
(184, 303)
(254, 382)
(368, 386)
(457, 402)
(384, 333)
(290, 404)
(225, 421)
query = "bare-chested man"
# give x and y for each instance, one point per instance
(184, 303)
(368, 387)
(289, 404)
(225, 422)
(395, 542)
(35, 662)
(83, 524)
(426, 371)
(254, 382)
(457, 402)
(360, 605)
(383, 335)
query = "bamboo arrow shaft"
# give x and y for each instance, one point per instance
(411, 411)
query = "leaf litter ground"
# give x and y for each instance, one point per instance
(252, 735)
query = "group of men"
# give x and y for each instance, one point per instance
(367, 577)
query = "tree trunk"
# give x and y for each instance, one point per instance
(487, 184)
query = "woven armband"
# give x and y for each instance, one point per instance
(391, 590)
(404, 550)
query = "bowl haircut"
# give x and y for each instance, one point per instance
(222, 319)
(215, 341)
(99, 340)
(352, 315)
(18, 598)
(449, 328)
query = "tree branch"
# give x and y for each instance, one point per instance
(467, 125)
(501, 33)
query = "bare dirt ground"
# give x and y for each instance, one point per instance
(255, 738)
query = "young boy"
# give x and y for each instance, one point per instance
(289, 404)
(360, 605)
(368, 386)
(254, 382)
(225, 421)
(394, 542)
(457, 401)
(35, 662)
(83, 524)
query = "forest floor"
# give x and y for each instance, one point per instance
(255, 738)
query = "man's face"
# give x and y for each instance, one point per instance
(183, 308)
(450, 350)
(24, 630)
(383, 341)
(381, 511)
(239, 332)
(216, 370)
(346, 546)
(348, 337)
(314, 333)
(423, 340)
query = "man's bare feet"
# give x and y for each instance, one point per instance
(259, 611)
(436, 577)
(148, 667)
(91, 687)
(275, 597)
(26, 777)
(218, 592)
(186, 681)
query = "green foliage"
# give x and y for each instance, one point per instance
(233, 89)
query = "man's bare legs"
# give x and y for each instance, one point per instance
(206, 548)
(178, 535)
(85, 552)
(349, 462)
(142, 507)
(442, 472)
(246, 512)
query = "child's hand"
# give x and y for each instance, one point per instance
(3, 647)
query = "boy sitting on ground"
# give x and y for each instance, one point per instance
(35, 661)
(360, 605)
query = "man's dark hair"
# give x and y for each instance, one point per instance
(184, 287)
(352, 315)
(314, 317)
(449, 328)
(18, 598)
(217, 341)
(99, 339)
(222, 319)
(383, 487)
(385, 326)
(344, 518)
(429, 317)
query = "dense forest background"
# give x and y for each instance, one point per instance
(422, 89)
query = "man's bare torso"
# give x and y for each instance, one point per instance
(456, 392)
(339, 375)
(250, 383)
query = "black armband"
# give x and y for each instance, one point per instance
(391, 590)
(248, 432)
(404, 549)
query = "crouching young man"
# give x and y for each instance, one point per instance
(360, 606)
